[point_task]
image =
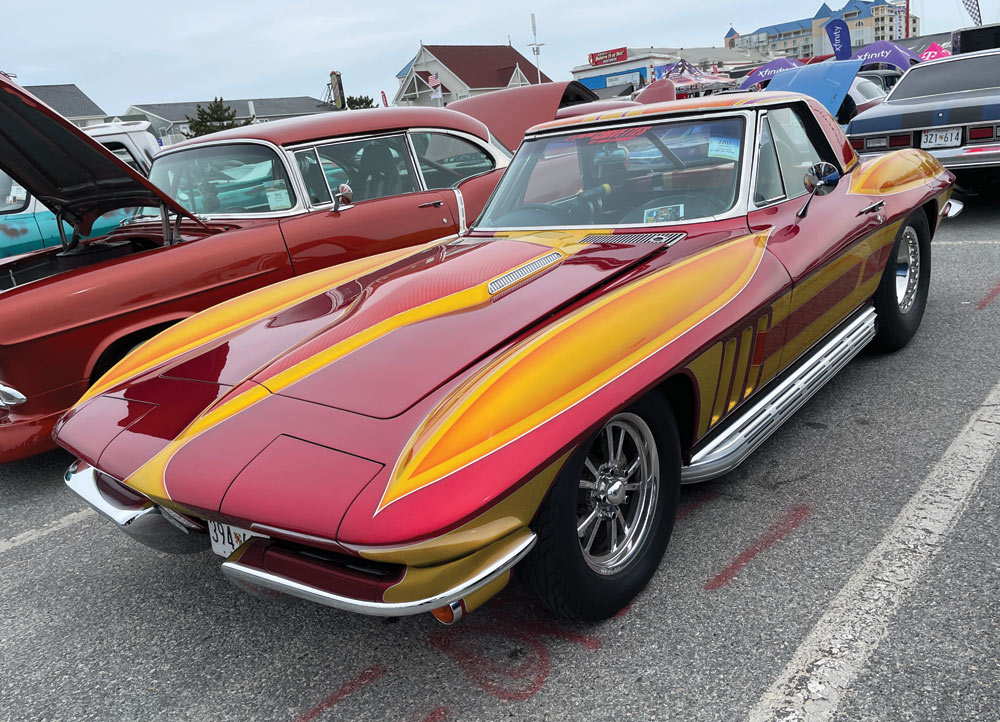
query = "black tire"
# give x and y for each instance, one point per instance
(896, 324)
(557, 571)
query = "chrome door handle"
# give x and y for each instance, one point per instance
(873, 208)
(429, 204)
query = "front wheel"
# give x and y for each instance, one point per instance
(605, 524)
(902, 293)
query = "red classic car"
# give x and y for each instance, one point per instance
(239, 210)
(649, 294)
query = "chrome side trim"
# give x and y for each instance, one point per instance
(752, 427)
(518, 274)
(146, 524)
(9, 396)
(240, 573)
(462, 223)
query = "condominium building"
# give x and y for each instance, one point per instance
(868, 21)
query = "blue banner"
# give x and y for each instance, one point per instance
(840, 38)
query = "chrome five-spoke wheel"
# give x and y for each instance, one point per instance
(617, 493)
(907, 268)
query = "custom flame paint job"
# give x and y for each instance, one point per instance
(68, 317)
(418, 419)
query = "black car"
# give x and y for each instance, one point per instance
(948, 107)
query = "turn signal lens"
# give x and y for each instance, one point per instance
(450, 613)
(982, 133)
(857, 144)
(900, 141)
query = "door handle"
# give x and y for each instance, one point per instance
(873, 208)
(431, 204)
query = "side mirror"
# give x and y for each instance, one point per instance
(343, 198)
(821, 179)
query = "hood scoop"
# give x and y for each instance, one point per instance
(512, 278)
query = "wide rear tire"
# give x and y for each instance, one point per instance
(604, 526)
(901, 296)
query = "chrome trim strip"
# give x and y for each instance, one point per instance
(241, 573)
(754, 425)
(145, 524)
(9, 396)
(518, 274)
(462, 223)
(667, 239)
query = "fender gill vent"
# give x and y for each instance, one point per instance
(667, 239)
(509, 279)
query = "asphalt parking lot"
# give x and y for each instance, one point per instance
(848, 569)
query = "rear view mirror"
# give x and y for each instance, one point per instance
(343, 198)
(821, 179)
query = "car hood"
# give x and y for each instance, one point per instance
(928, 112)
(829, 83)
(59, 164)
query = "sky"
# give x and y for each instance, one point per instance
(122, 54)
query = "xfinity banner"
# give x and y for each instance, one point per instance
(840, 38)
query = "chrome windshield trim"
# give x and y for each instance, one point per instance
(740, 204)
(462, 222)
(253, 576)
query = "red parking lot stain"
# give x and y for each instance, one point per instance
(693, 503)
(792, 519)
(348, 688)
(988, 298)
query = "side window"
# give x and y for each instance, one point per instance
(312, 176)
(796, 152)
(373, 168)
(446, 160)
(13, 197)
(769, 187)
(557, 174)
(125, 156)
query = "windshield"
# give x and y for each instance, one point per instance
(646, 174)
(867, 89)
(952, 76)
(235, 178)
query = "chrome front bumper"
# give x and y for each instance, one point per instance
(147, 523)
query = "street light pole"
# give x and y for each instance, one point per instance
(536, 48)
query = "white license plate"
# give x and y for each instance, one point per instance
(226, 539)
(943, 138)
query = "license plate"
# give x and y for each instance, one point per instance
(226, 539)
(943, 138)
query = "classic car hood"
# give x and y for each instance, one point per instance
(927, 112)
(827, 82)
(378, 345)
(59, 164)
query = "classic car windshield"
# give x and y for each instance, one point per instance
(234, 178)
(953, 76)
(644, 174)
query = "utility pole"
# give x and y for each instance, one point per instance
(536, 48)
(907, 18)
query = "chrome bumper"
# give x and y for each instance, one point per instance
(241, 574)
(147, 524)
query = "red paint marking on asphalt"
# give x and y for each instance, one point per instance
(542, 625)
(792, 519)
(988, 298)
(690, 506)
(348, 688)
(437, 715)
(623, 611)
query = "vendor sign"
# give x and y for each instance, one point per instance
(608, 56)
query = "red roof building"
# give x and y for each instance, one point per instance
(462, 71)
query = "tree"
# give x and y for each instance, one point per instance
(357, 102)
(216, 116)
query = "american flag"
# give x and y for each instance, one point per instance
(973, 7)
(434, 81)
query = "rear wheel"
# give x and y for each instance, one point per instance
(604, 526)
(902, 293)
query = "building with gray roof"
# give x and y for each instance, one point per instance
(68, 100)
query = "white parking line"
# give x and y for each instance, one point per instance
(35, 534)
(967, 243)
(836, 650)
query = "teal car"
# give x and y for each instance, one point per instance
(27, 225)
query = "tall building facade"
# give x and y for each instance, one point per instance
(868, 21)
